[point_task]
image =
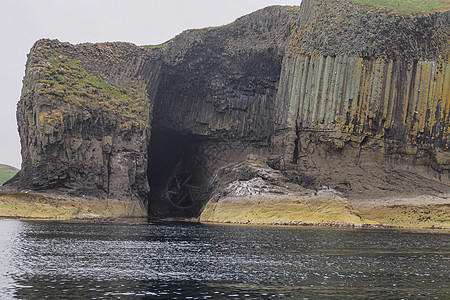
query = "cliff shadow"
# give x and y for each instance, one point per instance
(176, 176)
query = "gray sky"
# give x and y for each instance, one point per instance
(143, 22)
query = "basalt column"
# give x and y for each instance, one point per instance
(375, 85)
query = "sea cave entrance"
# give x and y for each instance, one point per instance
(177, 181)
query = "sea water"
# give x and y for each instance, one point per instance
(197, 261)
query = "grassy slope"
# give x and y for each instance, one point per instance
(68, 81)
(6, 173)
(407, 6)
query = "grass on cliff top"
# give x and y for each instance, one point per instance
(407, 6)
(65, 79)
(155, 46)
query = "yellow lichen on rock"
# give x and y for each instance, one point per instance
(286, 210)
(409, 216)
(373, 97)
(283, 210)
(36, 206)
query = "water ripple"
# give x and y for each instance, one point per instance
(195, 261)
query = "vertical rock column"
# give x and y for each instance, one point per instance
(389, 100)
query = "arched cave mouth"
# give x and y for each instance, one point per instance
(177, 180)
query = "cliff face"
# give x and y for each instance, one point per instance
(214, 104)
(86, 111)
(364, 67)
(84, 119)
(370, 88)
(330, 94)
(221, 82)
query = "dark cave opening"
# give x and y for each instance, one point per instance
(177, 183)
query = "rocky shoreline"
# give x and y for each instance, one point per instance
(53, 207)
(328, 212)
(434, 213)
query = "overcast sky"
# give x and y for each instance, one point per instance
(143, 22)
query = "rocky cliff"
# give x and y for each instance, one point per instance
(371, 90)
(84, 119)
(327, 98)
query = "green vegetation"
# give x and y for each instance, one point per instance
(407, 6)
(209, 28)
(66, 80)
(212, 28)
(155, 46)
(6, 174)
(294, 10)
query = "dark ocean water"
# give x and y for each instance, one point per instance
(52, 260)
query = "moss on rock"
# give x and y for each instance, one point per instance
(406, 6)
(65, 79)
